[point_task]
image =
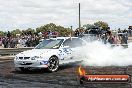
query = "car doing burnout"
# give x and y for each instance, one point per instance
(50, 54)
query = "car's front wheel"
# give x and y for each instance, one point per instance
(53, 64)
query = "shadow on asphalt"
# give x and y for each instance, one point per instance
(32, 71)
(41, 71)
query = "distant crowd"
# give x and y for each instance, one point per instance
(31, 40)
(26, 39)
(106, 36)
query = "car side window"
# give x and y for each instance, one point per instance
(76, 42)
(67, 42)
(73, 42)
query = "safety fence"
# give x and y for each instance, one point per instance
(13, 51)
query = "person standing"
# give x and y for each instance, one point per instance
(76, 33)
(8, 34)
(111, 39)
(130, 32)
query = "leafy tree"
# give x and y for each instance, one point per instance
(101, 24)
(89, 26)
(52, 27)
(30, 30)
(2, 33)
(47, 27)
(17, 31)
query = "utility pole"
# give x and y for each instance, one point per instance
(79, 17)
(71, 31)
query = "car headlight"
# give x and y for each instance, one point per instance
(35, 57)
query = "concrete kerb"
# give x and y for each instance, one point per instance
(2, 58)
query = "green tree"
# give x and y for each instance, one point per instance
(17, 31)
(52, 27)
(88, 26)
(30, 30)
(47, 27)
(101, 24)
(2, 33)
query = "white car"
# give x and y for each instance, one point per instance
(50, 54)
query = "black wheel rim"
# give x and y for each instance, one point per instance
(53, 64)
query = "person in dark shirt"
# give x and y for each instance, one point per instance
(76, 33)
(8, 34)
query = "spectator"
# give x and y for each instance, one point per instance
(76, 33)
(81, 33)
(110, 39)
(8, 34)
(5, 42)
(130, 32)
(116, 40)
(22, 42)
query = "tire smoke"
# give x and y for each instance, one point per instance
(98, 54)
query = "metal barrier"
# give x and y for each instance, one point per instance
(124, 45)
(13, 51)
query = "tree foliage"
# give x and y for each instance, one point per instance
(45, 28)
(89, 26)
(29, 31)
(2, 33)
(52, 27)
(17, 31)
(99, 24)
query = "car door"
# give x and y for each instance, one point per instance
(66, 51)
(71, 47)
(76, 44)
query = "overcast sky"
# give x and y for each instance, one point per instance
(25, 14)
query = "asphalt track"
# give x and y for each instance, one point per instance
(66, 77)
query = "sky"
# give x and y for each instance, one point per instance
(23, 14)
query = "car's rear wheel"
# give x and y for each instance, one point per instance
(53, 64)
(24, 69)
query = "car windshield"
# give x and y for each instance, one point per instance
(49, 44)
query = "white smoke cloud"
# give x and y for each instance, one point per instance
(98, 54)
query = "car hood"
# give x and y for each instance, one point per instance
(37, 52)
